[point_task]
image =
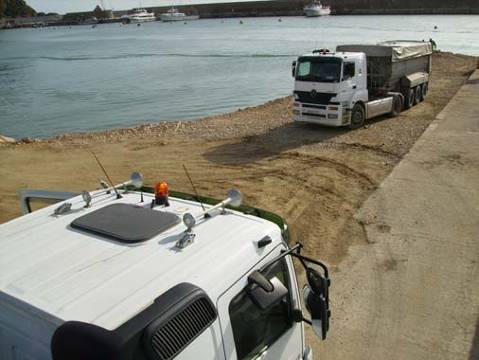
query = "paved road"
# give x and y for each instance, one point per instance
(412, 292)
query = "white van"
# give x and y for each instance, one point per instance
(106, 276)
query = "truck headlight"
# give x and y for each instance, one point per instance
(332, 116)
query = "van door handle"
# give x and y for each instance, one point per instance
(354, 86)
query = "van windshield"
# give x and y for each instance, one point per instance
(320, 69)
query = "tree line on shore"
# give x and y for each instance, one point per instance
(15, 8)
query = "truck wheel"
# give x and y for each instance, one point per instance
(418, 95)
(424, 89)
(397, 106)
(410, 96)
(357, 117)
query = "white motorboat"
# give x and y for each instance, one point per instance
(174, 15)
(138, 16)
(90, 21)
(316, 9)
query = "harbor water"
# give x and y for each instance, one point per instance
(83, 78)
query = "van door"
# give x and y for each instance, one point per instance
(349, 81)
(251, 333)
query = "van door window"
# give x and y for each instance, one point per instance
(255, 330)
(349, 70)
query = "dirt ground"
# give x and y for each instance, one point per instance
(315, 177)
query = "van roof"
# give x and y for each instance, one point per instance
(64, 273)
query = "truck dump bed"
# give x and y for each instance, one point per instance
(391, 61)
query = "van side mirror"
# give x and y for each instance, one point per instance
(265, 293)
(316, 299)
(293, 69)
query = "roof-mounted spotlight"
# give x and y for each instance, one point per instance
(189, 221)
(234, 199)
(136, 179)
(86, 196)
(62, 209)
(188, 236)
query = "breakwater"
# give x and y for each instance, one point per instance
(263, 8)
(339, 7)
(295, 8)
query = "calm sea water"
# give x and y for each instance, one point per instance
(57, 80)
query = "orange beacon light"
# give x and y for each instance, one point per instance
(161, 194)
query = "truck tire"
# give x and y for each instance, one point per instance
(397, 106)
(409, 97)
(418, 95)
(424, 90)
(357, 117)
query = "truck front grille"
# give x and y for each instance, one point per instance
(313, 97)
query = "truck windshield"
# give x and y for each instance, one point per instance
(320, 69)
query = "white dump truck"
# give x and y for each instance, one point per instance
(127, 274)
(359, 82)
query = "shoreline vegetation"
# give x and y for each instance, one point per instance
(15, 8)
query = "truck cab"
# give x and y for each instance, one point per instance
(359, 82)
(327, 84)
(139, 275)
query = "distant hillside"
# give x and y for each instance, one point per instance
(15, 8)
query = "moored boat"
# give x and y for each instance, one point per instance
(138, 15)
(174, 15)
(316, 9)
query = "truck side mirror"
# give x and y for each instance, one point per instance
(316, 299)
(293, 69)
(265, 293)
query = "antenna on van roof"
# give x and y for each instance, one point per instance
(194, 188)
(118, 196)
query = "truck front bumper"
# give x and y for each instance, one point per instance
(329, 115)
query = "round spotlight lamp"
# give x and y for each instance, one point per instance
(235, 197)
(189, 221)
(136, 179)
(86, 196)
